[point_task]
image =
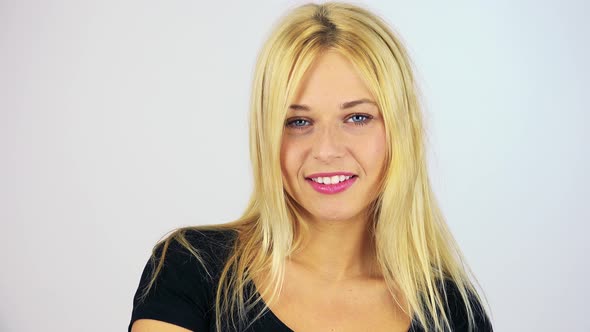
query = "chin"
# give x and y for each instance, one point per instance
(336, 216)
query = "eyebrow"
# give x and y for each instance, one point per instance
(346, 105)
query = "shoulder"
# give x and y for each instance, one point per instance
(206, 248)
(457, 309)
(207, 239)
(178, 282)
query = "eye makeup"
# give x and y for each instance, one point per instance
(300, 123)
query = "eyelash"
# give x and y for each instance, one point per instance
(290, 122)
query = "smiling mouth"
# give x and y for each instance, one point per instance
(335, 179)
(336, 183)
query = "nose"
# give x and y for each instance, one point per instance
(327, 144)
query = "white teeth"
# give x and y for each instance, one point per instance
(332, 180)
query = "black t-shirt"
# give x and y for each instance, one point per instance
(184, 292)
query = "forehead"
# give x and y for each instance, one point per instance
(331, 78)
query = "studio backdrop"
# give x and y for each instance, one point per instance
(122, 120)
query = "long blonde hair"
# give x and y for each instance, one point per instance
(414, 247)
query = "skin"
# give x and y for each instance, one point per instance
(333, 283)
(152, 325)
(324, 137)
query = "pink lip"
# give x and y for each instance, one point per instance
(317, 175)
(331, 188)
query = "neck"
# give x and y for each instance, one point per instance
(337, 250)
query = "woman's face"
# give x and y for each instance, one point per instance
(333, 147)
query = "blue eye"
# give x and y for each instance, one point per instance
(359, 119)
(297, 123)
(301, 123)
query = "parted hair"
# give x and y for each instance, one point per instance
(414, 248)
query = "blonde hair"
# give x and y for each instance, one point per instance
(414, 247)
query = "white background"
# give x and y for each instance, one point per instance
(121, 120)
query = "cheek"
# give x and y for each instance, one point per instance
(289, 160)
(375, 150)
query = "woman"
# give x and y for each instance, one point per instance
(342, 232)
